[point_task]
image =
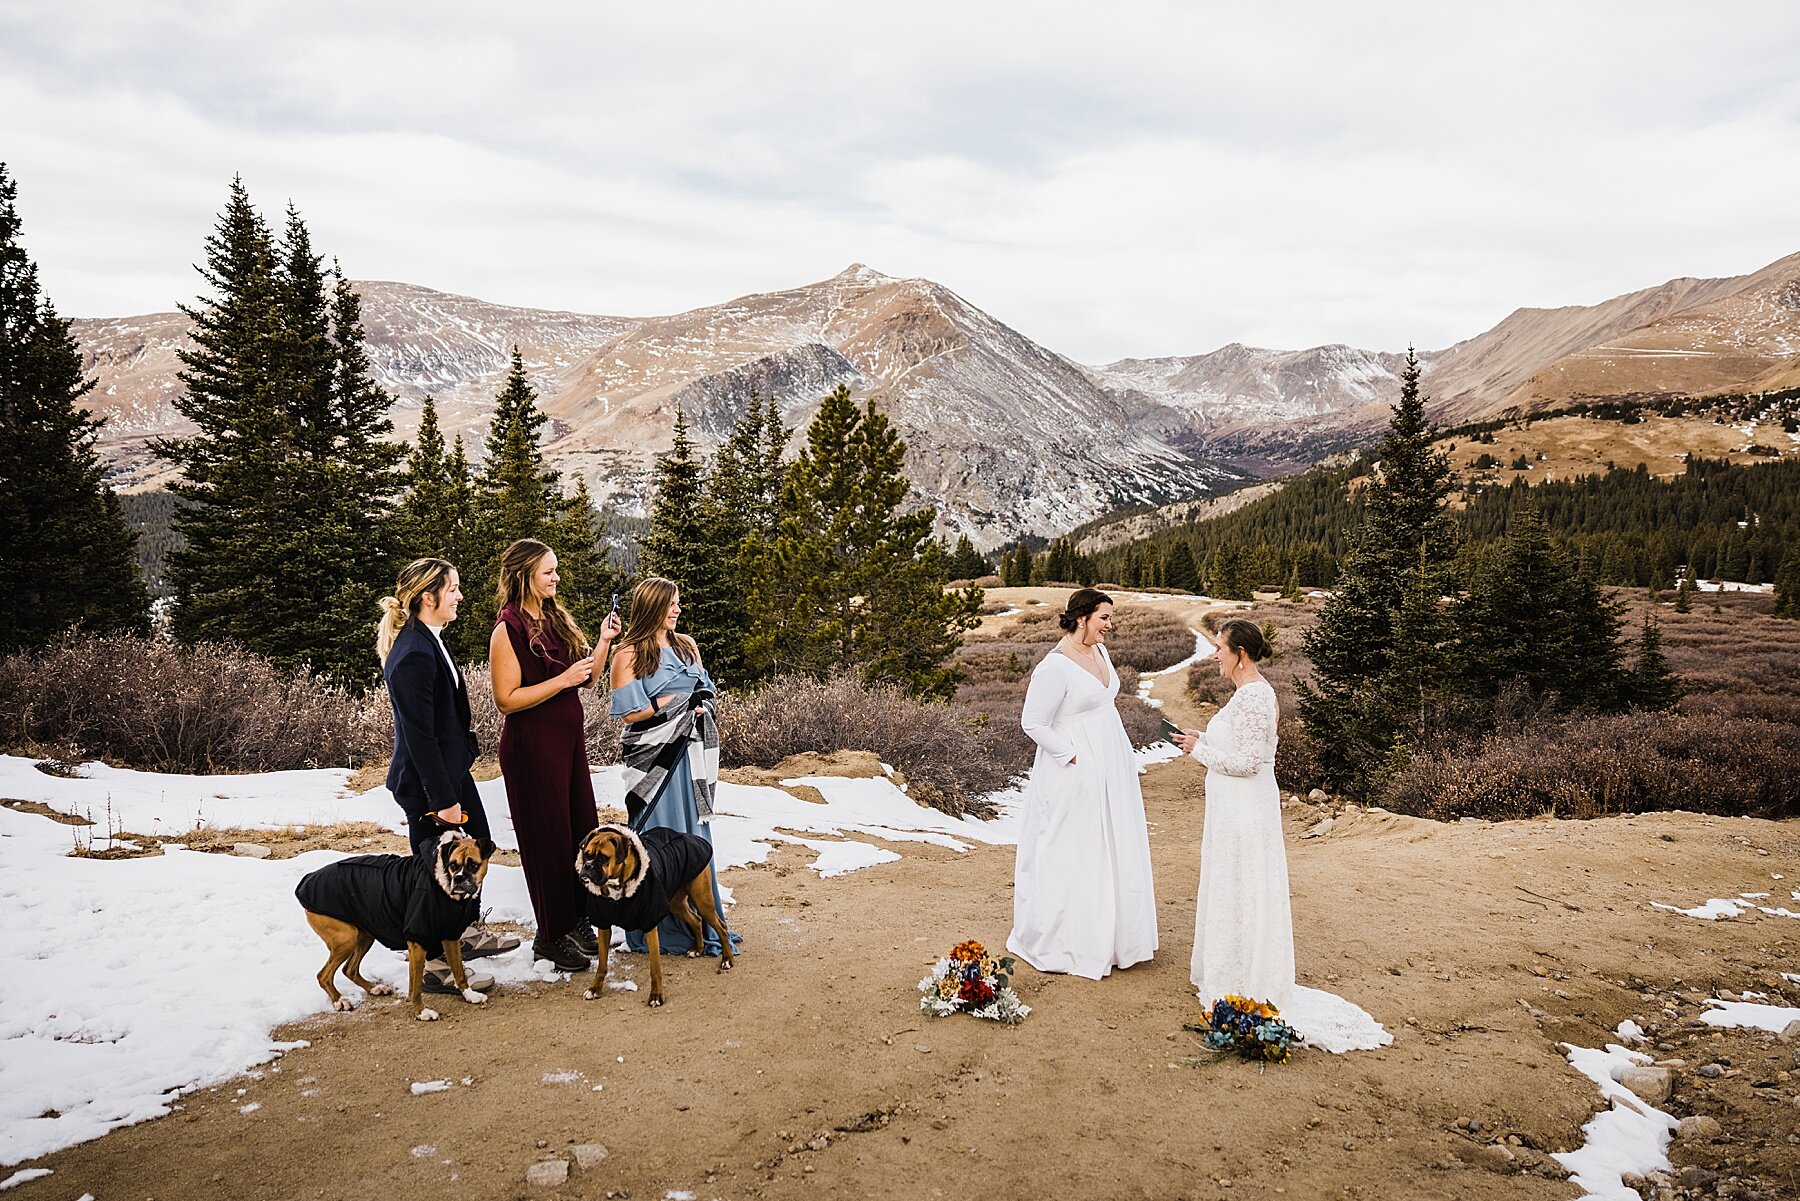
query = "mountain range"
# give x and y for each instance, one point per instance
(1004, 436)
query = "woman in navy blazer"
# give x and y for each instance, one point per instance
(434, 742)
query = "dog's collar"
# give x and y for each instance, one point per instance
(643, 856)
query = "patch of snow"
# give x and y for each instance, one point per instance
(1735, 1014)
(422, 1088)
(23, 1174)
(1630, 1136)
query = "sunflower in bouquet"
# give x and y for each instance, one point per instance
(969, 980)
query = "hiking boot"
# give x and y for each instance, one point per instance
(585, 940)
(437, 978)
(562, 953)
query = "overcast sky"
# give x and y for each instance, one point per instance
(1118, 179)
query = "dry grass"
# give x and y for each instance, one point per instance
(939, 748)
(166, 707)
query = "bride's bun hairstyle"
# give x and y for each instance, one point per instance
(1245, 636)
(1081, 604)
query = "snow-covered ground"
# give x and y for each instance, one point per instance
(129, 982)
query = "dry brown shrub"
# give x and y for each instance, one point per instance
(1148, 638)
(1631, 763)
(152, 704)
(940, 748)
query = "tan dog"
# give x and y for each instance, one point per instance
(402, 901)
(634, 885)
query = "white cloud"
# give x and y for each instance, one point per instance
(1144, 178)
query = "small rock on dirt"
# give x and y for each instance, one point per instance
(1652, 1084)
(1317, 795)
(588, 1155)
(1324, 827)
(548, 1172)
(1790, 1032)
(251, 850)
(1699, 1126)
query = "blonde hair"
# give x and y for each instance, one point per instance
(650, 602)
(416, 579)
(518, 563)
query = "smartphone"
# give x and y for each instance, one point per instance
(615, 604)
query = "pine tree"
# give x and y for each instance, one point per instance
(588, 580)
(1292, 591)
(967, 563)
(738, 508)
(517, 495)
(1179, 569)
(855, 582)
(289, 480)
(1016, 566)
(1653, 685)
(1787, 585)
(67, 556)
(426, 521)
(683, 544)
(1684, 592)
(1404, 547)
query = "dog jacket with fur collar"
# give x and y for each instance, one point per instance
(667, 861)
(396, 898)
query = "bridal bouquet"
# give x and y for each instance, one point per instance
(971, 981)
(1250, 1029)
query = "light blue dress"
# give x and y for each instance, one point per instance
(674, 809)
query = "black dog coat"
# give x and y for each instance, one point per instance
(396, 898)
(667, 861)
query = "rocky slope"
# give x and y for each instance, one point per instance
(1005, 436)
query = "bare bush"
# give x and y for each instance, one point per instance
(1631, 763)
(167, 707)
(1148, 638)
(939, 747)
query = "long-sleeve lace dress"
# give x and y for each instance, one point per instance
(1243, 925)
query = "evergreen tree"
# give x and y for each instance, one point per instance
(854, 581)
(289, 480)
(1787, 585)
(517, 495)
(738, 510)
(1179, 569)
(686, 543)
(967, 563)
(588, 580)
(1532, 618)
(425, 523)
(67, 556)
(1017, 567)
(1292, 591)
(1401, 554)
(1684, 592)
(1653, 685)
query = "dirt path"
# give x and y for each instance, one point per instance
(1447, 934)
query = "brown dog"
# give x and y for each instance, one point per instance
(635, 879)
(402, 901)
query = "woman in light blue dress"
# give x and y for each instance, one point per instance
(674, 672)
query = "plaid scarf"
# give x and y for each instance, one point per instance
(651, 749)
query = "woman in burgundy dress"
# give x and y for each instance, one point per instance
(539, 657)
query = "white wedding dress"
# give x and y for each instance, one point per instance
(1083, 898)
(1243, 927)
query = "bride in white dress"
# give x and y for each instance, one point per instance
(1083, 898)
(1243, 927)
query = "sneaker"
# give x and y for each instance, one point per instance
(437, 978)
(585, 940)
(561, 952)
(479, 940)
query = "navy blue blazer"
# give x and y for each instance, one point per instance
(434, 743)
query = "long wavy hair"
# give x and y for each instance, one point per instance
(650, 602)
(416, 579)
(518, 563)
